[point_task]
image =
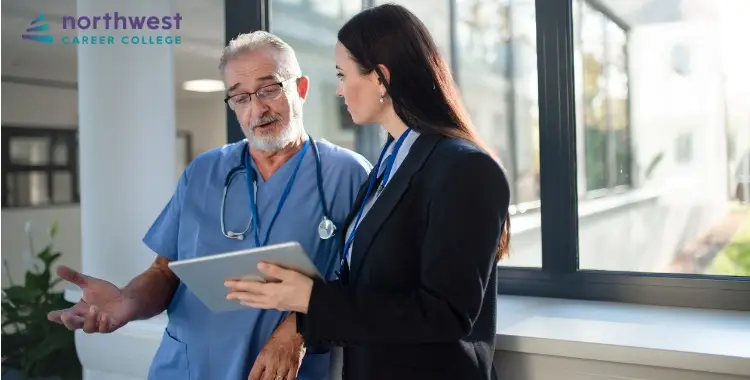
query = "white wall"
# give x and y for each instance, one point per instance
(202, 115)
(47, 107)
(205, 119)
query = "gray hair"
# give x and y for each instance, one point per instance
(259, 40)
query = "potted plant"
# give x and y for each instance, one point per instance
(33, 347)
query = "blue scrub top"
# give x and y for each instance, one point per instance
(199, 344)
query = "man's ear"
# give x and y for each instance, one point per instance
(303, 87)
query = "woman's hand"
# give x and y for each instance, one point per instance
(290, 293)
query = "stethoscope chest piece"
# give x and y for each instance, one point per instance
(326, 229)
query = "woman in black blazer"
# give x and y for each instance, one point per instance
(416, 293)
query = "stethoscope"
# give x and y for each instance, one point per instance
(326, 227)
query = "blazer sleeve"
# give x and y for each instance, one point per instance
(314, 345)
(465, 221)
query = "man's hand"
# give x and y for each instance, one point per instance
(102, 308)
(282, 355)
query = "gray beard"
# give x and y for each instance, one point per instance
(273, 144)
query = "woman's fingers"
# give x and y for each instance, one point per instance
(245, 286)
(258, 301)
(247, 297)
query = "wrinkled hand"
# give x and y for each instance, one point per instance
(101, 309)
(290, 293)
(280, 358)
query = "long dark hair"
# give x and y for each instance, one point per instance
(421, 86)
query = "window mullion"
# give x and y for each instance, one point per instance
(557, 136)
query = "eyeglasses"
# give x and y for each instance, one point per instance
(266, 93)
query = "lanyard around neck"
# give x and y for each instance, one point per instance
(252, 186)
(387, 172)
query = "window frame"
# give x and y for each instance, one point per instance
(69, 135)
(559, 276)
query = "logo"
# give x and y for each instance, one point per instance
(44, 38)
(109, 29)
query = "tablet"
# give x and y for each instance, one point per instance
(205, 276)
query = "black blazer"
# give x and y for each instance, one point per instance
(419, 301)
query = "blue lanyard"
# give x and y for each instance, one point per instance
(251, 185)
(386, 174)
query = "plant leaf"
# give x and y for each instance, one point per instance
(20, 295)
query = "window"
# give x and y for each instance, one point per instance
(497, 75)
(40, 167)
(678, 216)
(684, 147)
(629, 125)
(310, 27)
(436, 15)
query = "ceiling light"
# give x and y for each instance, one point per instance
(203, 85)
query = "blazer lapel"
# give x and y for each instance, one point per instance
(350, 218)
(370, 225)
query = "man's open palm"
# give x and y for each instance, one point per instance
(101, 309)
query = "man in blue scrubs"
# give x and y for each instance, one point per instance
(266, 89)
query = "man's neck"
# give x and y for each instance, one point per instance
(268, 163)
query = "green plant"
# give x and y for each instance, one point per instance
(32, 344)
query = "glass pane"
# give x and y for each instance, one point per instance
(60, 152)
(496, 46)
(29, 150)
(596, 131)
(62, 186)
(310, 27)
(618, 98)
(665, 122)
(27, 189)
(435, 14)
(10, 186)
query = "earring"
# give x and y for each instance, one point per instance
(381, 100)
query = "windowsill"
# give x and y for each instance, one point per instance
(702, 340)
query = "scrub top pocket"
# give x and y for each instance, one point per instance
(170, 361)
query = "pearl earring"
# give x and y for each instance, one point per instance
(381, 100)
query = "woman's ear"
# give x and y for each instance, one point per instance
(386, 74)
